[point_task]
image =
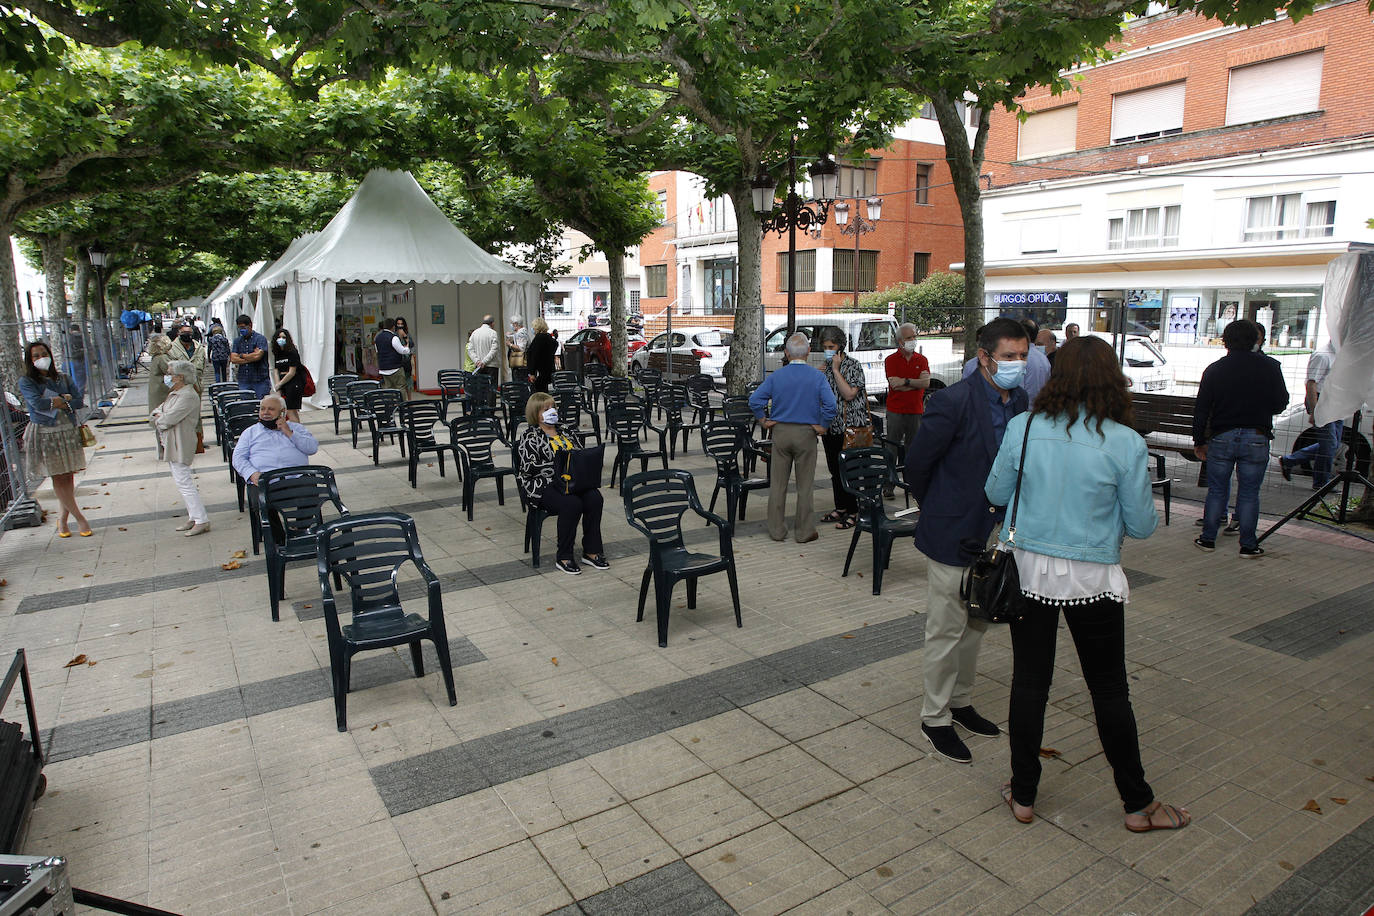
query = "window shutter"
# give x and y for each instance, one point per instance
(1289, 85)
(1045, 133)
(1152, 111)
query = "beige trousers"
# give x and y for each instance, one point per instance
(952, 642)
(794, 449)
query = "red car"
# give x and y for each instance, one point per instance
(593, 345)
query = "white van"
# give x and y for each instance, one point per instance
(872, 339)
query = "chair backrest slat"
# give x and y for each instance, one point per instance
(419, 419)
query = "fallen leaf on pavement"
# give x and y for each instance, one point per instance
(232, 564)
(307, 606)
(1312, 806)
(4, 582)
(1340, 801)
(555, 661)
(847, 636)
(87, 575)
(1049, 753)
(91, 664)
(79, 660)
(123, 529)
(238, 555)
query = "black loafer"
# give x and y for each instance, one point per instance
(598, 562)
(569, 567)
(968, 719)
(946, 743)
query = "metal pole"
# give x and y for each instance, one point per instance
(858, 233)
(792, 209)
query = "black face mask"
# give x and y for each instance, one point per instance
(186, 340)
(270, 424)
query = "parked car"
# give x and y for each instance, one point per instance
(1293, 430)
(589, 345)
(872, 339)
(710, 345)
(1144, 364)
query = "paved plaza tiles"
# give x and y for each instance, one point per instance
(195, 764)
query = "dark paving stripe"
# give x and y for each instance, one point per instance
(48, 601)
(125, 451)
(1318, 628)
(460, 769)
(1340, 880)
(91, 736)
(1137, 579)
(115, 424)
(672, 890)
(196, 469)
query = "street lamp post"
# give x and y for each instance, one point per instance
(857, 229)
(795, 213)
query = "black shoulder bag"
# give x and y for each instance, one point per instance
(991, 587)
(578, 470)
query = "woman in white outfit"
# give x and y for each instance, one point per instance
(175, 423)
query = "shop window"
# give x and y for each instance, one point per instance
(1147, 227)
(806, 271)
(844, 271)
(656, 281)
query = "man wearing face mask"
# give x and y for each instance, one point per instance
(947, 465)
(249, 355)
(908, 378)
(1037, 363)
(273, 443)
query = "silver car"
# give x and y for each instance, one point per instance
(872, 338)
(709, 345)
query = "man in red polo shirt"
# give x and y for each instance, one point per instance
(908, 377)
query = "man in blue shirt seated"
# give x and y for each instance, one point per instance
(249, 354)
(802, 407)
(273, 443)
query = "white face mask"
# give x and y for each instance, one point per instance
(281, 341)
(909, 346)
(550, 416)
(167, 380)
(43, 363)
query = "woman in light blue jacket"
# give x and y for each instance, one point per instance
(1085, 486)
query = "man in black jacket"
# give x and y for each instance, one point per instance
(1232, 425)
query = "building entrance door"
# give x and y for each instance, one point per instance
(720, 286)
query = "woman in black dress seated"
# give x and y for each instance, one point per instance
(544, 488)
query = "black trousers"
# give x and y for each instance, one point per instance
(1099, 635)
(834, 444)
(570, 507)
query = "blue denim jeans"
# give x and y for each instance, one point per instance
(262, 389)
(1247, 453)
(1320, 454)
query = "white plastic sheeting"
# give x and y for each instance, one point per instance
(388, 232)
(1349, 302)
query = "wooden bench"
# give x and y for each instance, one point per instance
(684, 364)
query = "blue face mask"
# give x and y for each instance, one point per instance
(245, 332)
(1009, 374)
(829, 355)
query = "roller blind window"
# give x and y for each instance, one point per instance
(1147, 113)
(1045, 133)
(1274, 88)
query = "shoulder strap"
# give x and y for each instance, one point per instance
(1020, 469)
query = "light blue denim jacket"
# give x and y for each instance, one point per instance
(40, 411)
(1081, 493)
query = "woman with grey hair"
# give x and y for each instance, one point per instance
(158, 361)
(175, 424)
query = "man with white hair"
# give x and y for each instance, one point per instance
(802, 406)
(482, 345)
(274, 442)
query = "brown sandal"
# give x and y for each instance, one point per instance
(1178, 818)
(1012, 803)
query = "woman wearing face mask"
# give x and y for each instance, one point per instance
(846, 378)
(409, 365)
(52, 445)
(537, 479)
(175, 424)
(187, 348)
(288, 377)
(158, 345)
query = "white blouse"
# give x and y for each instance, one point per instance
(1056, 580)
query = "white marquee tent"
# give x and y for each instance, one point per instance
(235, 299)
(390, 232)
